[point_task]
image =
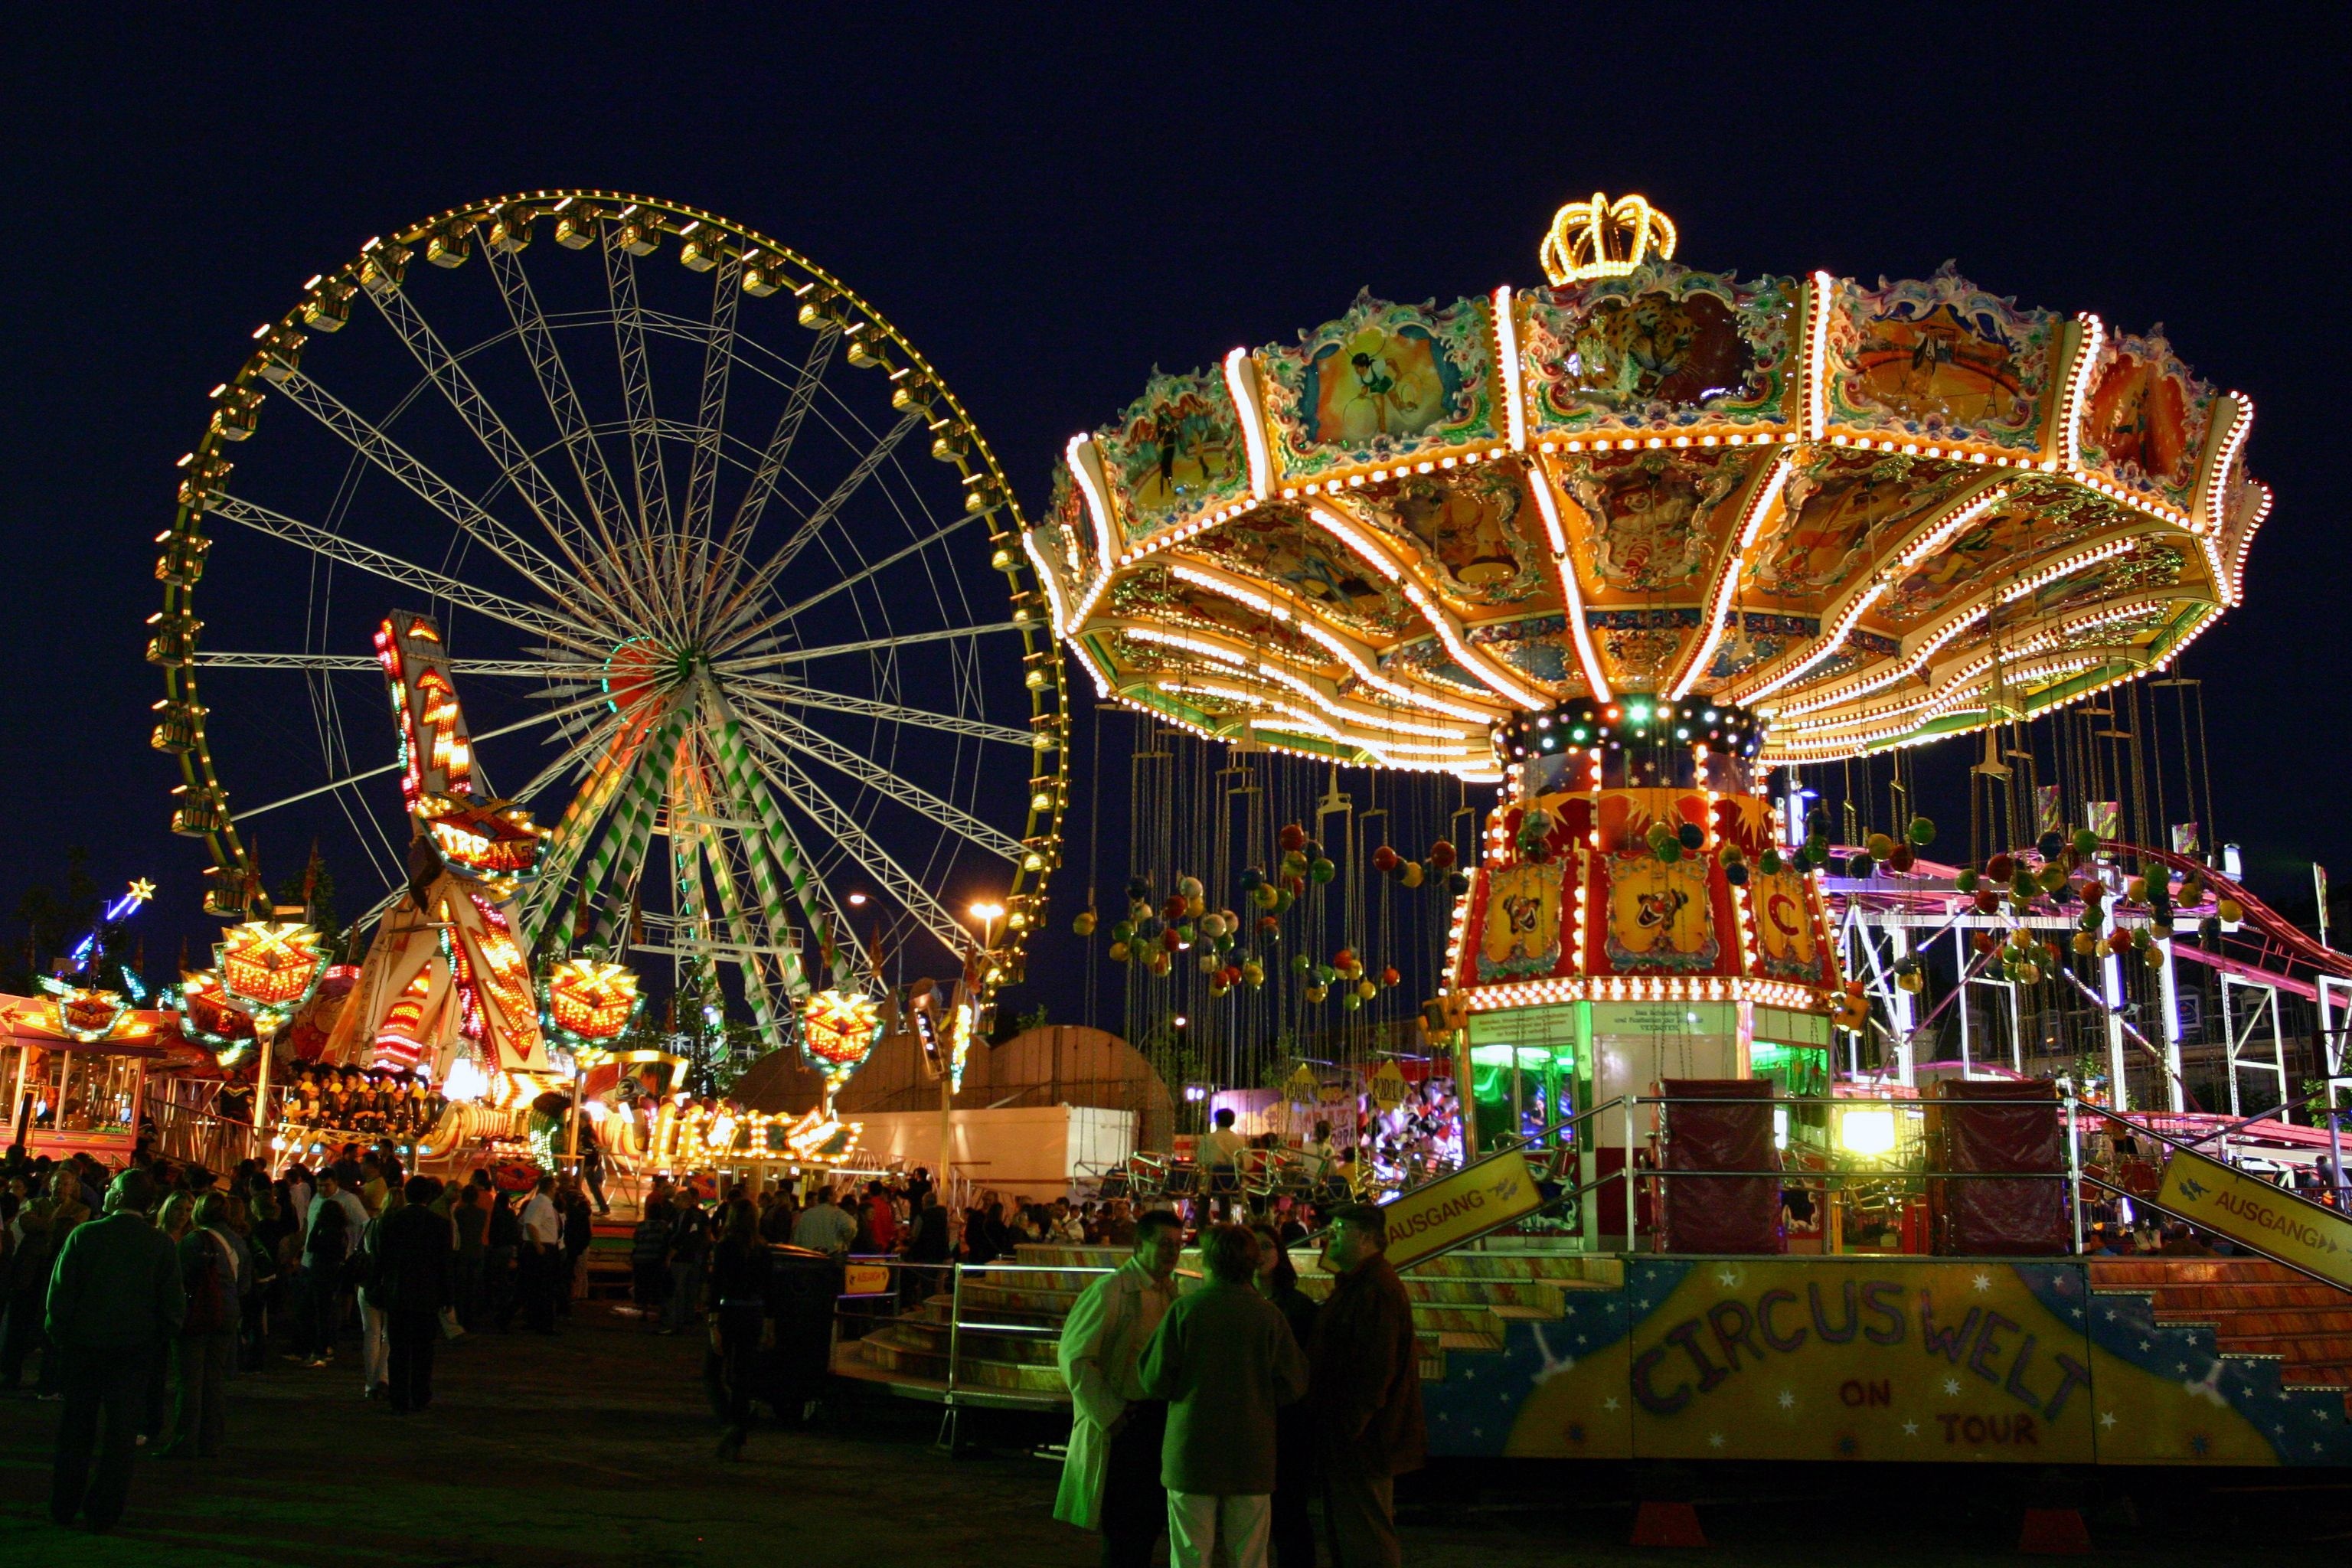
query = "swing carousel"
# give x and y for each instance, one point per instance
(1623, 545)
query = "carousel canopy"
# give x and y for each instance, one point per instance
(1871, 513)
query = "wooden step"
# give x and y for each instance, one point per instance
(2231, 1325)
(2251, 1294)
(2144, 1272)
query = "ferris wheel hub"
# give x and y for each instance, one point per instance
(643, 667)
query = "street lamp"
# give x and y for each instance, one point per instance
(270, 968)
(960, 1026)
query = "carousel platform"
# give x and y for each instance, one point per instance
(1465, 1303)
(1541, 1352)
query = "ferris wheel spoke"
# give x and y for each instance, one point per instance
(799, 696)
(551, 716)
(517, 552)
(362, 664)
(773, 457)
(785, 730)
(558, 628)
(747, 595)
(515, 462)
(690, 933)
(571, 426)
(742, 662)
(651, 515)
(609, 777)
(850, 957)
(776, 861)
(736, 637)
(377, 910)
(790, 781)
(755, 945)
(573, 756)
(711, 420)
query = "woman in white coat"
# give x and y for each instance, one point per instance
(1110, 1480)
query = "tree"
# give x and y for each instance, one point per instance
(315, 887)
(53, 920)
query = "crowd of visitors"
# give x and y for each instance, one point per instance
(133, 1299)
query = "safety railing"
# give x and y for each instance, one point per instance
(190, 1128)
(2081, 1176)
(1887, 1180)
(896, 1300)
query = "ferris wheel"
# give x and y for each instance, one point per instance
(723, 569)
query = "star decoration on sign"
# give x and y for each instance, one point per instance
(2106, 1418)
(1726, 1278)
(141, 889)
(1715, 1439)
(1610, 1402)
(1787, 1399)
(1982, 1282)
(1910, 1428)
(1951, 1386)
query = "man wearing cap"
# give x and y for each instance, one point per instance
(115, 1302)
(1364, 1390)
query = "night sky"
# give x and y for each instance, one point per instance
(1050, 202)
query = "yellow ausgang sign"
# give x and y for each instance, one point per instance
(1427, 1220)
(2208, 1194)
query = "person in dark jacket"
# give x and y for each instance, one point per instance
(414, 1277)
(469, 1213)
(1224, 1359)
(592, 1165)
(649, 1246)
(1365, 1396)
(579, 1223)
(502, 1241)
(740, 1267)
(115, 1302)
(689, 1251)
(1293, 1534)
(27, 1276)
(212, 1277)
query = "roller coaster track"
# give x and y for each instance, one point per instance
(2267, 948)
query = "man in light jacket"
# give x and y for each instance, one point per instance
(1110, 1481)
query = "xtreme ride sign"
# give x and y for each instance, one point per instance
(1870, 1357)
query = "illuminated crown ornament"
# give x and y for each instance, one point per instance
(840, 1029)
(1599, 238)
(269, 966)
(84, 1013)
(208, 1018)
(588, 1003)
